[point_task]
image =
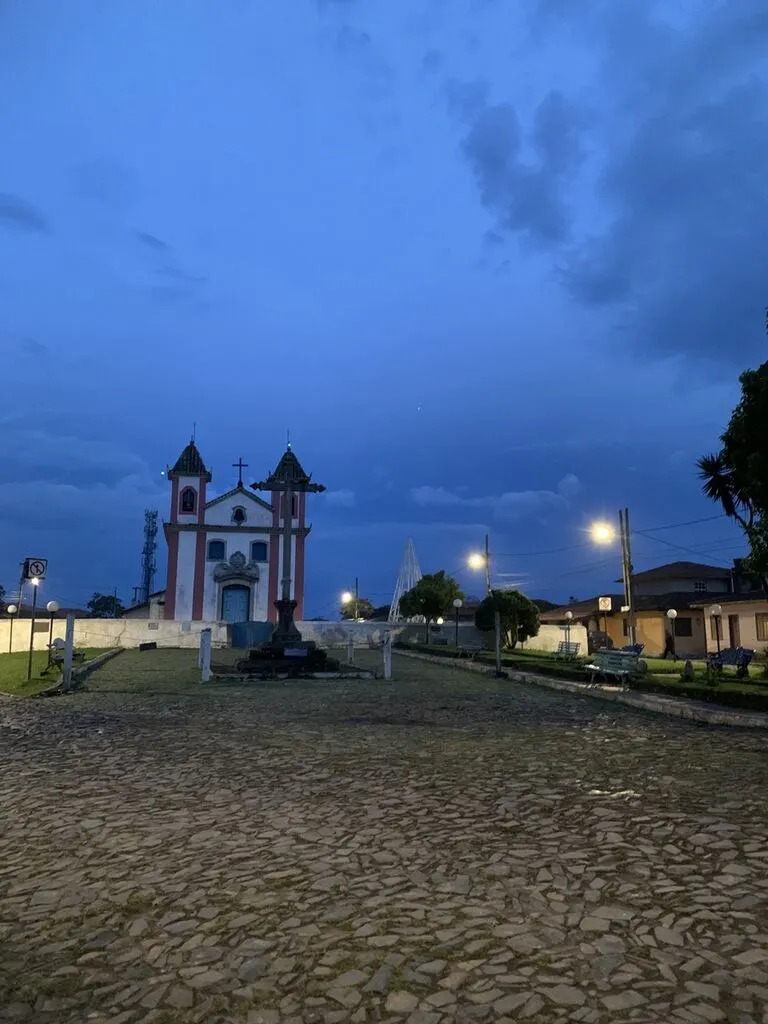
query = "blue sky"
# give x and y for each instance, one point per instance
(496, 266)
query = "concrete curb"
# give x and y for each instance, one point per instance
(81, 673)
(694, 711)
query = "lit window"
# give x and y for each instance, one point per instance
(188, 501)
(259, 551)
(217, 550)
(238, 515)
(700, 586)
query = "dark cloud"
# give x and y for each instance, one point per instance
(107, 182)
(34, 349)
(683, 191)
(152, 241)
(432, 61)
(19, 215)
(525, 198)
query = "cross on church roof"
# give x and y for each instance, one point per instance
(240, 466)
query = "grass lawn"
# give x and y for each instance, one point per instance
(13, 671)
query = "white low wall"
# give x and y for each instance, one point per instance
(550, 636)
(111, 633)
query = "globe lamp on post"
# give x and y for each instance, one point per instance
(672, 615)
(11, 610)
(716, 611)
(52, 607)
(568, 621)
(457, 604)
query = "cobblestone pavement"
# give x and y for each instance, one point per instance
(443, 848)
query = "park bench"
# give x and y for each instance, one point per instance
(470, 649)
(634, 648)
(620, 665)
(567, 649)
(735, 657)
(439, 641)
(56, 655)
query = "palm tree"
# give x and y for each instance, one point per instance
(720, 485)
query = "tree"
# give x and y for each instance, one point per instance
(2, 598)
(432, 597)
(105, 606)
(519, 616)
(363, 606)
(736, 477)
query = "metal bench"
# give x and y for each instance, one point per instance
(620, 665)
(56, 655)
(734, 657)
(567, 649)
(470, 650)
(634, 648)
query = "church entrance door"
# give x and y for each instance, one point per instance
(235, 603)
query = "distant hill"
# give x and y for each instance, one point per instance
(544, 606)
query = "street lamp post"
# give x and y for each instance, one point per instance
(12, 609)
(672, 615)
(716, 611)
(35, 584)
(479, 561)
(604, 533)
(457, 603)
(568, 620)
(52, 607)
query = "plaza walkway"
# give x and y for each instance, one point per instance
(442, 848)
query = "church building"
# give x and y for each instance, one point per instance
(224, 553)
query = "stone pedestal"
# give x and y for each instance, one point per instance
(285, 633)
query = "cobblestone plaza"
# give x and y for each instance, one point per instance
(442, 848)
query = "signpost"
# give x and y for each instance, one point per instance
(34, 571)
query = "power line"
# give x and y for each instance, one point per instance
(679, 547)
(675, 526)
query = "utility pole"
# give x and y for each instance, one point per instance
(487, 565)
(357, 598)
(626, 571)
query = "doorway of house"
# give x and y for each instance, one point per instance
(733, 631)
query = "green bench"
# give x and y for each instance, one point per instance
(621, 665)
(567, 649)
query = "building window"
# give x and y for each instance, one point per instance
(238, 515)
(188, 501)
(684, 626)
(761, 625)
(625, 627)
(217, 550)
(700, 586)
(293, 505)
(259, 551)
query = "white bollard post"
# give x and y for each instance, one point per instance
(497, 628)
(205, 655)
(387, 655)
(351, 649)
(69, 647)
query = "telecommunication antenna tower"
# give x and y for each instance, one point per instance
(148, 565)
(407, 578)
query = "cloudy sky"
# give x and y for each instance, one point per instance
(497, 267)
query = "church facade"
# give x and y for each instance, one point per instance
(224, 553)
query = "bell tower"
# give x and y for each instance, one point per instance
(185, 534)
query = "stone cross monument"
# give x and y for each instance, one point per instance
(287, 480)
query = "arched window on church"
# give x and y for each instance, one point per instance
(188, 501)
(217, 550)
(238, 515)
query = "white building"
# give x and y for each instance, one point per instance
(224, 554)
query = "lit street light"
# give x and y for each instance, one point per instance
(482, 560)
(476, 561)
(568, 620)
(672, 615)
(457, 603)
(35, 581)
(602, 533)
(52, 607)
(348, 597)
(12, 609)
(716, 611)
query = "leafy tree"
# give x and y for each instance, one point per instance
(432, 597)
(363, 606)
(519, 616)
(2, 598)
(736, 477)
(105, 606)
